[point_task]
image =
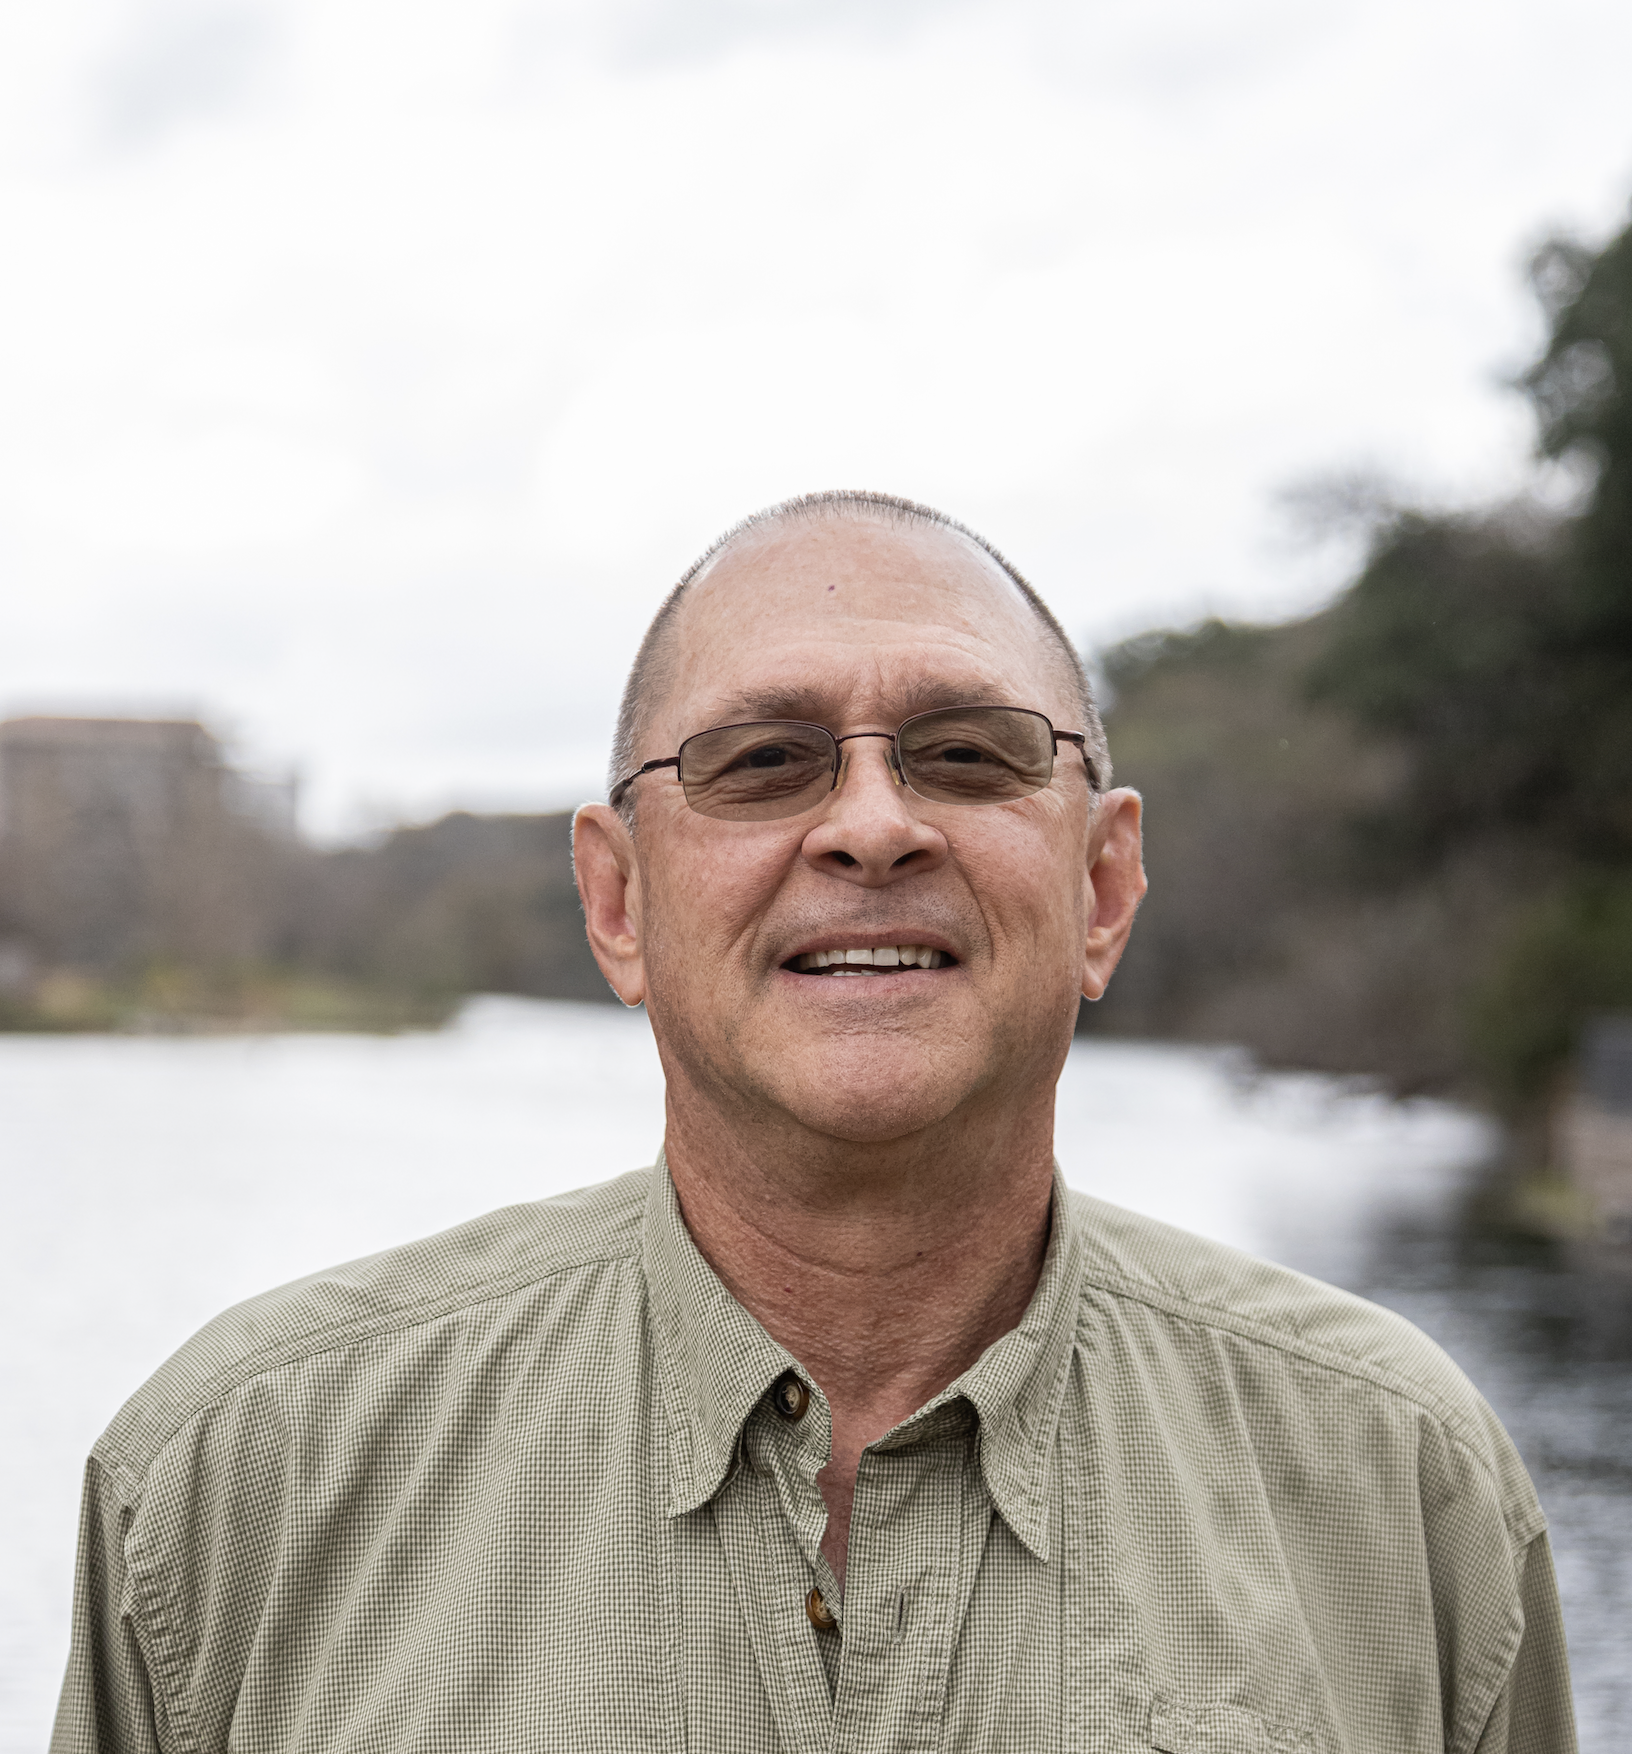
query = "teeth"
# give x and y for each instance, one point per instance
(884, 956)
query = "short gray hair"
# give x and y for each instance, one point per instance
(653, 665)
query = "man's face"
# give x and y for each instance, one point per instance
(855, 625)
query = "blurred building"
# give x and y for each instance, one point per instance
(1594, 1126)
(132, 847)
(125, 841)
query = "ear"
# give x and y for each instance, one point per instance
(603, 861)
(1116, 881)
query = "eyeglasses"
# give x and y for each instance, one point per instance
(773, 768)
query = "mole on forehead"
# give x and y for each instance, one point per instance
(833, 553)
(749, 619)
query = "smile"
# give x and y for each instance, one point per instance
(884, 959)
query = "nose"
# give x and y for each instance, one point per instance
(869, 834)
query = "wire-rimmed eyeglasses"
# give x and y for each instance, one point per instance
(770, 768)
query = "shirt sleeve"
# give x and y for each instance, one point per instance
(107, 1702)
(1534, 1713)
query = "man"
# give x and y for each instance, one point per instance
(844, 1427)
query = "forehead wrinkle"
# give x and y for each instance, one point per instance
(823, 704)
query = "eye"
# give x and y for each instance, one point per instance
(769, 755)
(967, 754)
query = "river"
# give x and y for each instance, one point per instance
(148, 1182)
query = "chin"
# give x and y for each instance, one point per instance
(884, 1103)
(883, 1127)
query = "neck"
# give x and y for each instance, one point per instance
(886, 1269)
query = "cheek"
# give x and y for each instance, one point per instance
(1034, 893)
(705, 893)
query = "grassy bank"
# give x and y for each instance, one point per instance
(172, 1000)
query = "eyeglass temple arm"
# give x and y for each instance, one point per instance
(615, 797)
(1080, 738)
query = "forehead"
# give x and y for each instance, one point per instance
(831, 619)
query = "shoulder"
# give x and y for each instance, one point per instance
(400, 1301)
(1326, 1350)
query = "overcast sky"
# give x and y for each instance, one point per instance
(368, 371)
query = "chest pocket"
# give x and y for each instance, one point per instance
(1183, 1727)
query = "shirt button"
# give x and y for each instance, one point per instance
(790, 1397)
(818, 1612)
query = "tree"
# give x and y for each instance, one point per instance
(1581, 389)
(1498, 648)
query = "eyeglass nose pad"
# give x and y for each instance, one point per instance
(892, 760)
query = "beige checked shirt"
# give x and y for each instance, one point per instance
(539, 1483)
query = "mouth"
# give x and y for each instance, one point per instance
(880, 959)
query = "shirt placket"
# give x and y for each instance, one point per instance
(770, 1518)
(917, 1526)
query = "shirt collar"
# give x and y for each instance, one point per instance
(717, 1364)
(716, 1361)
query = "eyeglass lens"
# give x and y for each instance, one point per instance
(962, 755)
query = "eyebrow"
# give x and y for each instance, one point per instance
(815, 705)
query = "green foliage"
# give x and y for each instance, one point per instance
(1581, 389)
(1267, 922)
(1447, 645)
(1568, 956)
